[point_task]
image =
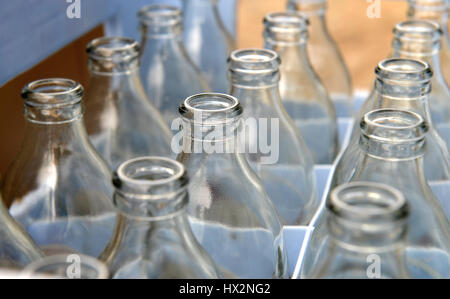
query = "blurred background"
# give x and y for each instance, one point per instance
(363, 42)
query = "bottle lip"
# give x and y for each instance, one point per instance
(424, 31)
(286, 22)
(52, 93)
(256, 62)
(113, 48)
(368, 202)
(393, 126)
(155, 171)
(160, 15)
(429, 5)
(404, 71)
(210, 108)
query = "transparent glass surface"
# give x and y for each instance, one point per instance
(303, 95)
(207, 41)
(120, 121)
(168, 74)
(421, 40)
(58, 187)
(435, 10)
(274, 147)
(74, 266)
(401, 84)
(366, 226)
(230, 212)
(392, 144)
(324, 54)
(153, 238)
(17, 249)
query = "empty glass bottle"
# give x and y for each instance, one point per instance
(303, 95)
(230, 212)
(421, 40)
(392, 144)
(168, 74)
(152, 237)
(325, 57)
(366, 226)
(120, 120)
(17, 249)
(401, 84)
(58, 187)
(274, 146)
(207, 41)
(435, 10)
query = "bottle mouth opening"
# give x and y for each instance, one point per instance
(254, 62)
(429, 5)
(402, 70)
(214, 107)
(393, 126)
(418, 31)
(52, 93)
(286, 22)
(367, 202)
(113, 48)
(160, 15)
(149, 171)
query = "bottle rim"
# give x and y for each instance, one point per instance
(403, 70)
(160, 15)
(113, 48)
(254, 61)
(52, 93)
(418, 31)
(287, 22)
(367, 202)
(213, 108)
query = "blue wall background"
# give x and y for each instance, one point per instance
(31, 30)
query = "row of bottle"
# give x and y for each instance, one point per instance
(50, 162)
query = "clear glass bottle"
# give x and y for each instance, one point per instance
(17, 249)
(168, 73)
(119, 119)
(207, 41)
(67, 266)
(401, 84)
(153, 238)
(304, 97)
(421, 40)
(435, 10)
(392, 144)
(230, 212)
(325, 57)
(58, 187)
(275, 148)
(366, 229)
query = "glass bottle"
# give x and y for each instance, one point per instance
(303, 95)
(58, 187)
(366, 228)
(325, 57)
(275, 148)
(72, 266)
(435, 10)
(119, 119)
(230, 212)
(207, 41)
(401, 84)
(420, 40)
(391, 148)
(17, 249)
(152, 237)
(168, 73)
